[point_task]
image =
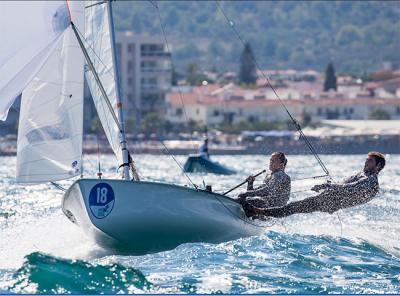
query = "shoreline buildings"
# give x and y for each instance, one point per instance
(213, 104)
(145, 73)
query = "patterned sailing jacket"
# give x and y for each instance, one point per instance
(357, 189)
(275, 191)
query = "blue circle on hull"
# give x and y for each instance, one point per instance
(101, 200)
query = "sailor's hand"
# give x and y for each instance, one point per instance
(250, 179)
(242, 195)
(317, 188)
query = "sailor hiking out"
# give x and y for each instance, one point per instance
(355, 190)
(275, 191)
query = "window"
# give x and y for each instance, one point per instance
(130, 47)
(319, 111)
(216, 113)
(398, 110)
(149, 81)
(152, 47)
(130, 81)
(197, 111)
(179, 112)
(351, 110)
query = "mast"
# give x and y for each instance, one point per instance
(122, 136)
(104, 94)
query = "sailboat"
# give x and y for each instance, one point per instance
(198, 163)
(201, 162)
(45, 57)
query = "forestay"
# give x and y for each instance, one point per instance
(50, 126)
(98, 45)
(29, 31)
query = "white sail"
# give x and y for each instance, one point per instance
(29, 30)
(98, 45)
(50, 125)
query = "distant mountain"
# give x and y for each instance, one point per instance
(357, 36)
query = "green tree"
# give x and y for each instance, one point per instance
(248, 70)
(330, 78)
(152, 123)
(361, 34)
(348, 34)
(192, 75)
(379, 114)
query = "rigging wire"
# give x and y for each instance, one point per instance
(99, 84)
(173, 157)
(154, 3)
(310, 178)
(296, 124)
(162, 25)
(97, 3)
(58, 186)
(108, 70)
(172, 62)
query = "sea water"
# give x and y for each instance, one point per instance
(353, 251)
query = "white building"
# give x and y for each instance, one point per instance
(145, 72)
(212, 105)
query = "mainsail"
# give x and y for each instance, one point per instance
(99, 47)
(50, 126)
(29, 30)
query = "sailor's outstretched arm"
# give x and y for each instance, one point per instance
(364, 183)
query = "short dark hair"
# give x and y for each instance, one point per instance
(379, 158)
(281, 156)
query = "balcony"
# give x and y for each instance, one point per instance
(153, 53)
(152, 88)
(156, 69)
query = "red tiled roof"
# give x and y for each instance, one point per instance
(206, 89)
(191, 99)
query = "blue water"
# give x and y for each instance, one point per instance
(354, 251)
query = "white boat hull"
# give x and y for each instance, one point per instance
(147, 217)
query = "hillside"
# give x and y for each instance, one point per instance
(356, 36)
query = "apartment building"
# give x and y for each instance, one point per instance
(145, 73)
